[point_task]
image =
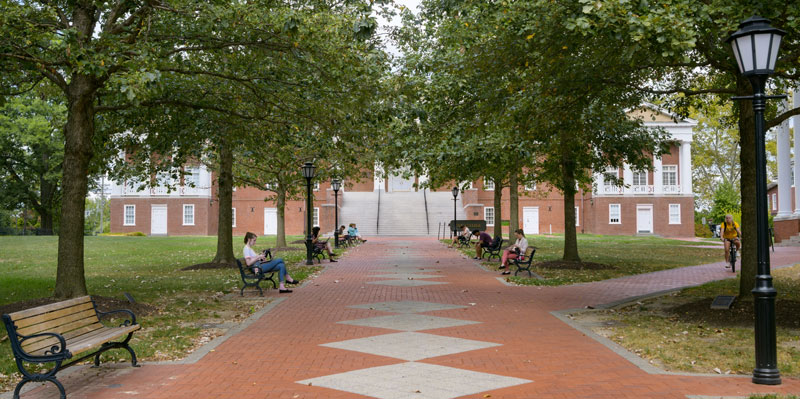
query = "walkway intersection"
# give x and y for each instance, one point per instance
(408, 318)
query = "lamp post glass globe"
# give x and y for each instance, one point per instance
(755, 46)
(308, 170)
(336, 184)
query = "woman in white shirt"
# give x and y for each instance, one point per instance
(515, 250)
(259, 260)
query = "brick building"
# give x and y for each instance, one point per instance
(659, 201)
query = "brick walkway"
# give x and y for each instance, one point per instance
(504, 338)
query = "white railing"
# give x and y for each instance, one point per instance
(640, 189)
(128, 190)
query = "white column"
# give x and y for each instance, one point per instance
(627, 176)
(796, 154)
(658, 176)
(685, 166)
(784, 168)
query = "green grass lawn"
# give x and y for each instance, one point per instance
(680, 332)
(149, 268)
(625, 254)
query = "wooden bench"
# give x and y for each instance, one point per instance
(64, 330)
(464, 242)
(524, 262)
(253, 276)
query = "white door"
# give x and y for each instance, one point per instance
(644, 218)
(530, 219)
(158, 220)
(270, 221)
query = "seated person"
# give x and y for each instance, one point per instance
(464, 234)
(322, 245)
(343, 233)
(484, 241)
(353, 232)
(514, 250)
(260, 261)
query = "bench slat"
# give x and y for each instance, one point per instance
(109, 334)
(94, 339)
(52, 315)
(67, 331)
(48, 308)
(69, 319)
(43, 344)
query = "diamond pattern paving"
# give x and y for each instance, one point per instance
(409, 322)
(407, 306)
(400, 276)
(414, 380)
(410, 346)
(406, 283)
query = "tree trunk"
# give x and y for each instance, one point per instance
(570, 235)
(46, 199)
(78, 132)
(513, 206)
(747, 155)
(225, 199)
(280, 200)
(498, 203)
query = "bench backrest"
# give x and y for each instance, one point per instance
(529, 251)
(70, 318)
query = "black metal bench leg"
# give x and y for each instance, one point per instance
(25, 380)
(134, 362)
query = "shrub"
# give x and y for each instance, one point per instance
(701, 230)
(135, 234)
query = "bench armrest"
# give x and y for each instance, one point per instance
(127, 322)
(55, 353)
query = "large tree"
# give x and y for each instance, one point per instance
(495, 69)
(31, 152)
(108, 56)
(681, 45)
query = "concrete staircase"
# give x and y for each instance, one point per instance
(401, 213)
(360, 208)
(793, 241)
(440, 210)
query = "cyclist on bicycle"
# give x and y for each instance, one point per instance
(730, 233)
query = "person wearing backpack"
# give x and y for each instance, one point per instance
(730, 233)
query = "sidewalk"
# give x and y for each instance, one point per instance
(409, 318)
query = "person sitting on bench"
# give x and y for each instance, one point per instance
(514, 250)
(463, 235)
(353, 232)
(323, 245)
(260, 261)
(484, 241)
(343, 233)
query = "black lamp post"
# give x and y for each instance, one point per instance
(455, 198)
(308, 173)
(755, 46)
(336, 184)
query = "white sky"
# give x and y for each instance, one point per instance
(383, 24)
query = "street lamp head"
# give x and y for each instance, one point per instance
(755, 46)
(308, 170)
(455, 192)
(336, 184)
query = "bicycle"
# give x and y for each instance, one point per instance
(732, 253)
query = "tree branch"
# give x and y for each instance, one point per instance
(782, 117)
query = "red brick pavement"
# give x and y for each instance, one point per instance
(265, 359)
